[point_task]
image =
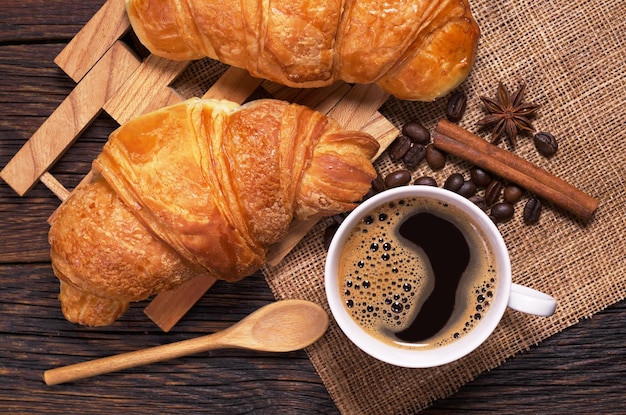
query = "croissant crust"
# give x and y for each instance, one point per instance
(200, 187)
(414, 49)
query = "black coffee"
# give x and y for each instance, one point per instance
(417, 272)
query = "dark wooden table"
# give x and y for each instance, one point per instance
(579, 371)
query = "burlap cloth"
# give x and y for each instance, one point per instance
(572, 55)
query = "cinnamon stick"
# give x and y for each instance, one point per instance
(459, 142)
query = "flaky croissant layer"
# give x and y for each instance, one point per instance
(200, 187)
(414, 49)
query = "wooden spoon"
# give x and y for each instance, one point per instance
(281, 326)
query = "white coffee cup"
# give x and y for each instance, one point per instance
(506, 293)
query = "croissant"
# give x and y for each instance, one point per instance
(200, 187)
(413, 49)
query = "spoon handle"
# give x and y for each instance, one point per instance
(133, 359)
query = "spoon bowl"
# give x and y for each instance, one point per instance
(282, 326)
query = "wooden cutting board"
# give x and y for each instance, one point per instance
(111, 76)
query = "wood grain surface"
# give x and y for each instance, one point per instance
(579, 371)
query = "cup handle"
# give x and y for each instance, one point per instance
(530, 301)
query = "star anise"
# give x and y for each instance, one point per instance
(508, 114)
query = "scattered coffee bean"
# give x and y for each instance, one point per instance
(416, 132)
(426, 181)
(435, 158)
(454, 182)
(468, 189)
(478, 201)
(493, 192)
(378, 184)
(502, 211)
(456, 106)
(545, 143)
(414, 156)
(480, 177)
(532, 210)
(329, 233)
(399, 147)
(512, 194)
(398, 178)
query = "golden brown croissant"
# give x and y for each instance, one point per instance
(414, 49)
(199, 187)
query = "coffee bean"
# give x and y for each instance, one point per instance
(493, 192)
(468, 189)
(545, 143)
(532, 210)
(502, 211)
(416, 132)
(435, 158)
(454, 182)
(478, 201)
(378, 184)
(456, 106)
(414, 156)
(512, 194)
(426, 181)
(480, 177)
(329, 233)
(398, 178)
(399, 147)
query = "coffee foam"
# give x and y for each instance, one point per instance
(384, 279)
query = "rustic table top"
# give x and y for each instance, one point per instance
(581, 370)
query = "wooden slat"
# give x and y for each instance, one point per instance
(168, 307)
(141, 88)
(55, 186)
(321, 99)
(235, 85)
(358, 106)
(94, 39)
(162, 98)
(70, 118)
(384, 131)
